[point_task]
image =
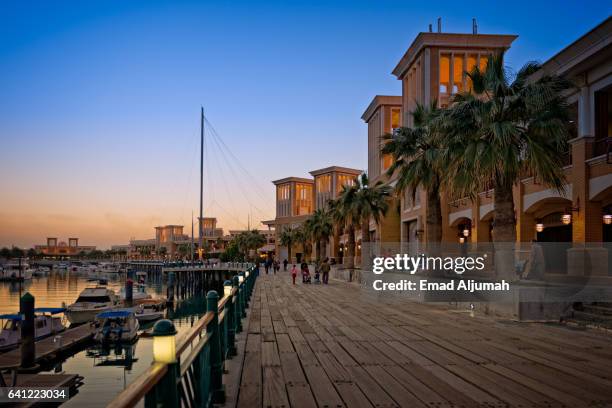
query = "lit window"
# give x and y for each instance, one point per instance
(457, 73)
(395, 118)
(483, 62)
(444, 73)
(471, 63)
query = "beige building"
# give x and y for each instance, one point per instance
(297, 198)
(433, 68)
(55, 248)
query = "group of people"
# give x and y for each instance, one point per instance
(272, 265)
(321, 268)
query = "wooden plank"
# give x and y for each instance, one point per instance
(274, 394)
(324, 392)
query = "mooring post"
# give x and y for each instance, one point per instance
(129, 292)
(28, 343)
(170, 291)
(238, 305)
(216, 359)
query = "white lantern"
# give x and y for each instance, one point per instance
(240, 279)
(607, 219)
(539, 227)
(566, 219)
(466, 232)
(461, 240)
(164, 342)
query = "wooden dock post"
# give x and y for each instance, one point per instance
(28, 343)
(238, 305)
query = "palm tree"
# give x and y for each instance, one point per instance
(302, 235)
(419, 160)
(286, 239)
(346, 213)
(255, 240)
(371, 202)
(321, 226)
(502, 127)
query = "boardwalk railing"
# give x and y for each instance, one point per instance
(195, 378)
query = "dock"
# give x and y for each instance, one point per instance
(71, 381)
(338, 345)
(48, 348)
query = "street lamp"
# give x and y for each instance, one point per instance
(164, 342)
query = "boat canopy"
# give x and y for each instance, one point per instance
(115, 313)
(11, 317)
(52, 310)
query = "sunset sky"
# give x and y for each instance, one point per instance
(99, 101)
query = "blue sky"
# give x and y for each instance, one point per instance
(99, 101)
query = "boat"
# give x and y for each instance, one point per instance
(116, 326)
(90, 303)
(46, 324)
(16, 270)
(106, 267)
(149, 311)
(138, 294)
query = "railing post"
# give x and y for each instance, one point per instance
(230, 315)
(243, 303)
(237, 305)
(216, 361)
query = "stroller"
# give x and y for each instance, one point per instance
(306, 276)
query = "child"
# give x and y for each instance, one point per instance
(294, 273)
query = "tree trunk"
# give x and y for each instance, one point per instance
(504, 231)
(504, 222)
(289, 253)
(318, 249)
(350, 256)
(366, 250)
(434, 217)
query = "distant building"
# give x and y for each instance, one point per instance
(63, 249)
(297, 198)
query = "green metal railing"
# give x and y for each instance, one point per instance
(195, 378)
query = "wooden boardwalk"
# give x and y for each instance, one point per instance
(334, 346)
(47, 348)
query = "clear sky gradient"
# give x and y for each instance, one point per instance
(99, 100)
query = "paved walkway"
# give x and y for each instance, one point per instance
(333, 346)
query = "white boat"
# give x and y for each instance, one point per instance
(138, 294)
(46, 324)
(16, 271)
(90, 303)
(106, 267)
(149, 311)
(61, 265)
(116, 326)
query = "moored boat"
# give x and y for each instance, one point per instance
(116, 326)
(16, 270)
(90, 303)
(46, 323)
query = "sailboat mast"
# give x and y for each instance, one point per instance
(191, 236)
(201, 220)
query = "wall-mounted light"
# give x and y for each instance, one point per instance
(539, 227)
(607, 219)
(466, 232)
(566, 218)
(461, 240)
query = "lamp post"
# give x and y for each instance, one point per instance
(242, 287)
(164, 352)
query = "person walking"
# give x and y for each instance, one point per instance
(285, 262)
(276, 266)
(325, 270)
(294, 273)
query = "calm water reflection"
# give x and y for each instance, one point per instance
(106, 371)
